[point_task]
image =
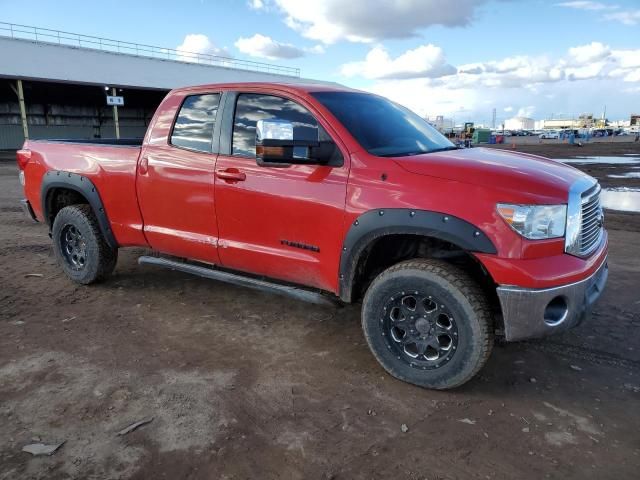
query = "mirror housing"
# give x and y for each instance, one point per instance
(277, 146)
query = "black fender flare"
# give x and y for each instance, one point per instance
(374, 224)
(73, 181)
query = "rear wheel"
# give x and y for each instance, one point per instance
(80, 247)
(428, 323)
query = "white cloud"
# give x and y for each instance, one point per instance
(329, 21)
(256, 4)
(633, 76)
(197, 43)
(590, 61)
(513, 84)
(318, 49)
(590, 52)
(510, 72)
(426, 97)
(527, 111)
(629, 17)
(626, 17)
(584, 5)
(266, 47)
(627, 58)
(423, 61)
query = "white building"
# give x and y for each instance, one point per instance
(520, 123)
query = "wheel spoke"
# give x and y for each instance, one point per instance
(434, 343)
(438, 330)
(421, 346)
(419, 329)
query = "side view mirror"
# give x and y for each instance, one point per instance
(278, 146)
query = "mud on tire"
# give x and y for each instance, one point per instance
(80, 247)
(428, 323)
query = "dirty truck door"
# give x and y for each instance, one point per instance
(283, 223)
(175, 182)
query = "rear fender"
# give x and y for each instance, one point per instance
(72, 181)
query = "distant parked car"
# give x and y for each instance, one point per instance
(603, 132)
(551, 135)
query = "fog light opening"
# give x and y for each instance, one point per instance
(556, 311)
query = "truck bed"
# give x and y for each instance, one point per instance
(110, 164)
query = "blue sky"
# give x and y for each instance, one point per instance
(460, 58)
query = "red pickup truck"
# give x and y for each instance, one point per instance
(323, 192)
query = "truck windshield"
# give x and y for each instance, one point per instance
(381, 127)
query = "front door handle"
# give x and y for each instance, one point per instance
(231, 175)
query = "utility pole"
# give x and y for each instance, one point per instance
(493, 120)
(115, 114)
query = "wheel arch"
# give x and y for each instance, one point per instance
(79, 189)
(416, 233)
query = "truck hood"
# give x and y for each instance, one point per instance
(498, 169)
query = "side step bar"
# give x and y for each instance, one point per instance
(297, 293)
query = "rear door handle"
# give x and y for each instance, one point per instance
(143, 167)
(231, 175)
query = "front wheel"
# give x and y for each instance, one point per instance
(428, 323)
(80, 247)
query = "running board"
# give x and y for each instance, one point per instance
(297, 293)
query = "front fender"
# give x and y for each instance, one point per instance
(374, 224)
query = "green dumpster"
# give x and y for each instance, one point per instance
(481, 135)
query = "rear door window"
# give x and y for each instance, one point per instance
(194, 125)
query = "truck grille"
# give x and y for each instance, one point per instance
(592, 221)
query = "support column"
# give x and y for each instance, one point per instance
(115, 114)
(23, 111)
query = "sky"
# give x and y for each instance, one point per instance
(459, 58)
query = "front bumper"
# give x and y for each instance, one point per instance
(530, 313)
(28, 210)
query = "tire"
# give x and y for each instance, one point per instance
(444, 340)
(80, 247)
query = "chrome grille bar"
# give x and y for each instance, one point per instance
(584, 218)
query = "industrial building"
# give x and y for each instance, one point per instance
(585, 120)
(55, 84)
(520, 123)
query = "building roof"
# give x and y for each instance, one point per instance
(284, 86)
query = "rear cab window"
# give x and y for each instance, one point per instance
(193, 128)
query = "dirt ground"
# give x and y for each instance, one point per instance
(246, 385)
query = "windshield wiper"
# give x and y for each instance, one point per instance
(444, 149)
(418, 152)
(402, 154)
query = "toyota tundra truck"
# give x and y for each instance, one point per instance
(326, 193)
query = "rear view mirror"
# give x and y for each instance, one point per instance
(278, 146)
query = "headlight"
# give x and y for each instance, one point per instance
(535, 221)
